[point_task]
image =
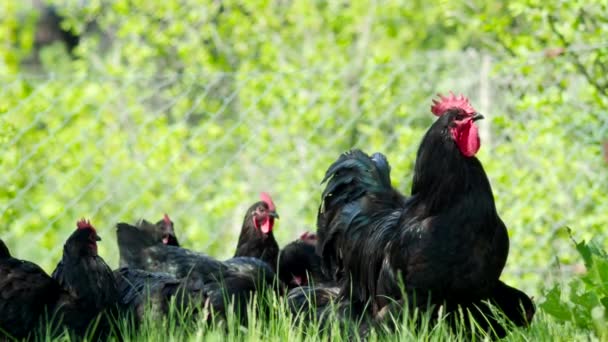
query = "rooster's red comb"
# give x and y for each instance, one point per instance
(441, 105)
(268, 200)
(84, 224)
(167, 219)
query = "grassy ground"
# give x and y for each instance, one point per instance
(280, 326)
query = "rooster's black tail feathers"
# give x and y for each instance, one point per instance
(352, 175)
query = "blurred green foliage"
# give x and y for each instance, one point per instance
(583, 300)
(193, 107)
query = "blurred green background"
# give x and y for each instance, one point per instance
(194, 107)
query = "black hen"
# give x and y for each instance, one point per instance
(322, 305)
(159, 232)
(313, 295)
(247, 279)
(299, 265)
(163, 230)
(237, 277)
(313, 302)
(88, 280)
(140, 247)
(256, 239)
(141, 250)
(144, 292)
(26, 294)
(446, 242)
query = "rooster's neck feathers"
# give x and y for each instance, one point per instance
(442, 175)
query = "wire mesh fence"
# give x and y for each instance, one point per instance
(200, 147)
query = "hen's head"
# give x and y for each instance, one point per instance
(4, 253)
(457, 116)
(83, 241)
(167, 231)
(263, 214)
(298, 263)
(309, 238)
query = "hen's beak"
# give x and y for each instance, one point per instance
(477, 116)
(97, 238)
(274, 214)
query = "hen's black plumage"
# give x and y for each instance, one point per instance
(140, 250)
(304, 300)
(446, 241)
(88, 280)
(26, 294)
(299, 264)
(245, 277)
(322, 304)
(160, 232)
(148, 292)
(142, 247)
(238, 277)
(256, 238)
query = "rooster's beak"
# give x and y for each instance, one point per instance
(274, 214)
(97, 238)
(477, 116)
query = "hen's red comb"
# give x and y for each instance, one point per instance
(268, 200)
(167, 219)
(84, 224)
(440, 106)
(308, 236)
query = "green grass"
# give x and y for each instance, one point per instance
(573, 309)
(281, 326)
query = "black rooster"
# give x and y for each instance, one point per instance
(256, 238)
(509, 306)
(88, 280)
(27, 295)
(515, 305)
(446, 242)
